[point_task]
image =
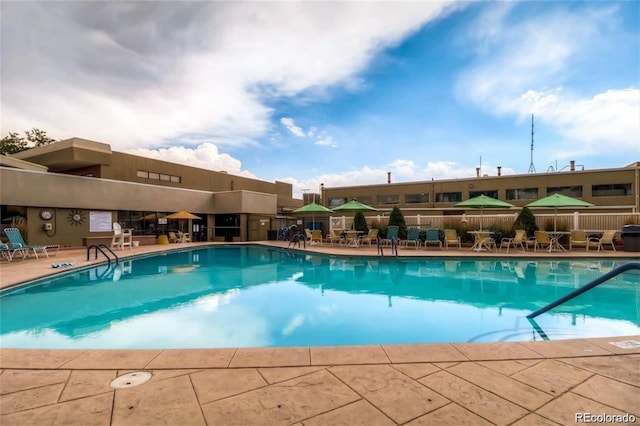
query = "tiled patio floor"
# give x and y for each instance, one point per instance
(528, 383)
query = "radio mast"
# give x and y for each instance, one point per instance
(532, 168)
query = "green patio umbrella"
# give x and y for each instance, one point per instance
(354, 206)
(312, 209)
(481, 202)
(558, 200)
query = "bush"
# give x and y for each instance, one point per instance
(396, 218)
(527, 221)
(360, 223)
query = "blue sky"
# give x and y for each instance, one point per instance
(338, 93)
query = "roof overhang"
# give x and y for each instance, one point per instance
(68, 154)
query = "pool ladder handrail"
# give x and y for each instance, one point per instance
(99, 247)
(577, 292)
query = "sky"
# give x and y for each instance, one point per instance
(333, 92)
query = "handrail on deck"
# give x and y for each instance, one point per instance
(99, 247)
(616, 271)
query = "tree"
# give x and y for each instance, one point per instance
(38, 137)
(527, 221)
(360, 223)
(396, 218)
(14, 143)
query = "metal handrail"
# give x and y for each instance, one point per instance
(98, 247)
(614, 272)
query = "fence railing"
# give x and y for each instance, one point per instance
(563, 221)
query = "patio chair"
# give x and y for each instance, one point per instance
(517, 241)
(316, 236)
(606, 239)
(451, 238)
(371, 237)
(413, 237)
(173, 238)
(578, 238)
(432, 236)
(335, 236)
(17, 243)
(541, 240)
(392, 235)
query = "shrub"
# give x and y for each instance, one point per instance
(396, 218)
(360, 223)
(527, 221)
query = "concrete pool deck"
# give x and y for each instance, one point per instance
(526, 383)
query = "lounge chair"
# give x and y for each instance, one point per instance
(432, 236)
(121, 237)
(6, 252)
(371, 237)
(413, 237)
(17, 243)
(392, 236)
(173, 238)
(606, 239)
(451, 238)
(517, 241)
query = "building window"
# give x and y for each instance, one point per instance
(569, 191)
(365, 200)
(416, 198)
(492, 193)
(448, 197)
(158, 176)
(611, 190)
(388, 199)
(522, 194)
(335, 202)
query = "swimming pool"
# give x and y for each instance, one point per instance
(255, 296)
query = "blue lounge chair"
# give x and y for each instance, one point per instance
(432, 236)
(413, 237)
(392, 236)
(16, 243)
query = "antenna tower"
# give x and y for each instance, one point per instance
(532, 168)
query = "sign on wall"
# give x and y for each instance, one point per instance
(100, 221)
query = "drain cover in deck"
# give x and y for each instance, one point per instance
(130, 380)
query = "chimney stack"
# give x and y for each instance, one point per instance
(477, 171)
(572, 165)
(499, 170)
(388, 177)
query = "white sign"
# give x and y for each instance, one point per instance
(100, 222)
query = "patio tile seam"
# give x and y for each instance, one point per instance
(506, 398)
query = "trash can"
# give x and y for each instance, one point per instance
(631, 237)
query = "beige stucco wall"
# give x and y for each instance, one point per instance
(63, 193)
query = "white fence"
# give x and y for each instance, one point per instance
(564, 221)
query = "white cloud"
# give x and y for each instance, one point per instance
(204, 156)
(528, 72)
(140, 74)
(326, 141)
(401, 171)
(588, 125)
(290, 125)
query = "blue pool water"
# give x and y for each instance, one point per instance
(253, 296)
